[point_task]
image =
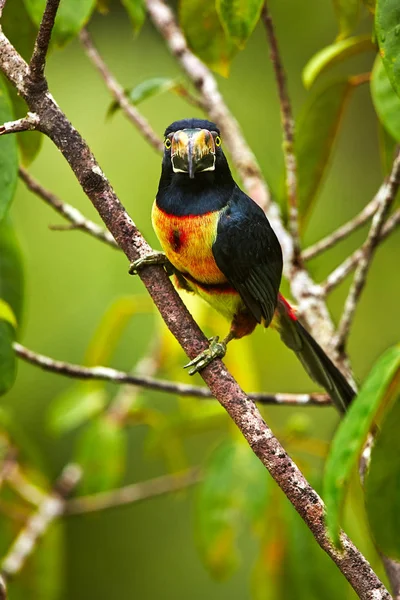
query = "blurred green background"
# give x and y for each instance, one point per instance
(148, 550)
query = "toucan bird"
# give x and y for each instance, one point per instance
(221, 246)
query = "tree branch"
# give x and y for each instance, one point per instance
(135, 492)
(72, 214)
(181, 389)
(350, 263)
(118, 93)
(49, 509)
(243, 412)
(38, 60)
(343, 231)
(28, 123)
(288, 132)
(386, 196)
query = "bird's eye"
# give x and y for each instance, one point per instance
(168, 143)
(218, 141)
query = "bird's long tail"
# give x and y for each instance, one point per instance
(317, 364)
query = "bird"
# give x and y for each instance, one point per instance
(218, 243)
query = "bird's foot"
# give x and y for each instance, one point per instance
(154, 258)
(216, 349)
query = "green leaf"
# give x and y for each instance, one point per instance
(238, 18)
(11, 271)
(347, 14)
(387, 26)
(383, 485)
(235, 486)
(71, 17)
(75, 406)
(8, 155)
(387, 147)
(101, 453)
(146, 89)
(205, 34)
(385, 99)
(338, 52)
(352, 433)
(111, 328)
(316, 132)
(137, 12)
(8, 362)
(18, 27)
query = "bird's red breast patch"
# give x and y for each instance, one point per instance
(187, 241)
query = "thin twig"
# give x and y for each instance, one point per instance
(135, 492)
(288, 132)
(240, 408)
(28, 123)
(352, 261)
(386, 196)
(118, 93)
(49, 509)
(392, 568)
(162, 385)
(72, 214)
(342, 232)
(38, 60)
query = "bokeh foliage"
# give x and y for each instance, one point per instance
(80, 305)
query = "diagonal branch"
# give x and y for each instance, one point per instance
(48, 510)
(343, 231)
(351, 262)
(288, 132)
(72, 214)
(135, 492)
(181, 389)
(241, 409)
(28, 123)
(118, 93)
(386, 196)
(38, 60)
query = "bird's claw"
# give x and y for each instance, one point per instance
(154, 258)
(216, 349)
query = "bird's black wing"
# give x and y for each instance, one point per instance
(248, 253)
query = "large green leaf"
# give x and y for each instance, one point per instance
(235, 486)
(147, 89)
(335, 53)
(11, 271)
(316, 131)
(387, 26)
(72, 15)
(8, 155)
(101, 453)
(18, 27)
(383, 485)
(387, 148)
(385, 99)
(205, 34)
(238, 18)
(352, 432)
(77, 405)
(137, 12)
(8, 363)
(347, 13)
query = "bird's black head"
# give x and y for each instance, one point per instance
(193, 149)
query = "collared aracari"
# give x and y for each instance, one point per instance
(221, 246)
